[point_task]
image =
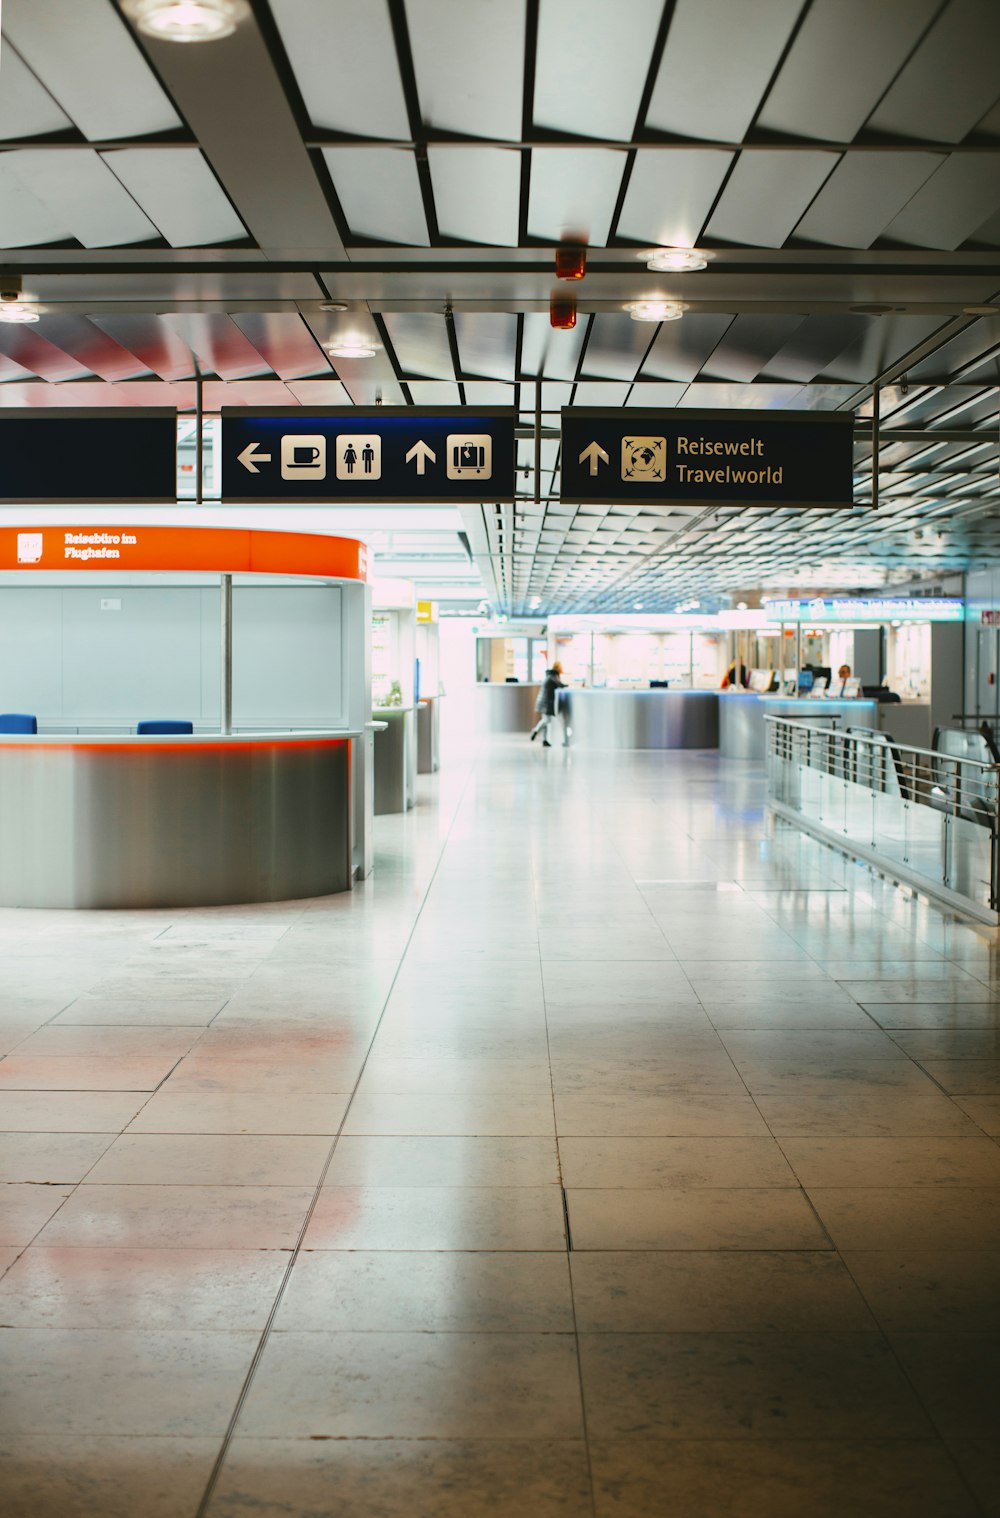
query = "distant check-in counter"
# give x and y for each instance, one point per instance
(94, 821)
(506, 708)
(743, 732)
(638, 719)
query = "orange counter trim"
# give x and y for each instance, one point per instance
(216, 550)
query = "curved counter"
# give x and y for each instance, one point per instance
(506, 708)
(633, 719)
(742, 732)
(203, 820)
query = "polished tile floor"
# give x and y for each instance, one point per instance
(606, 1154)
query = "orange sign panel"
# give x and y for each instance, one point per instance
(216, 550)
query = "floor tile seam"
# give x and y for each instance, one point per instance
(940, 1439)
(230, 1431)
(568, 1240)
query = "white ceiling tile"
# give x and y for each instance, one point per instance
(179, 193)
(26, 107)
(706, 91)
(379, 193)
(87, 59)
(592, 64)
(344, 58)
(477, 193)
(670, 194)
(573, 193)
(26, 222)
(468, 56)
(82, 194)
(767, 194)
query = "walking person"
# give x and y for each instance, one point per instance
(545, 706)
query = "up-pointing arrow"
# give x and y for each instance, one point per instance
(249, 459)
(421, 453)
(593, 452)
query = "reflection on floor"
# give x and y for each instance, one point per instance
(289, 1189)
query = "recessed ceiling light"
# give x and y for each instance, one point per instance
(980, 310)
(351, 349)
(638, 605)
(675, 261)
(15, 311)
(654, 310)
(187, 20)
(333, 305)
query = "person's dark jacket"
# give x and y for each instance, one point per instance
(547, 695)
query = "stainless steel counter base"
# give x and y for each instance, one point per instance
(395, 759)
(173, 823)
(634, 719)
(742, 732)
(428, 735)
(506, 708)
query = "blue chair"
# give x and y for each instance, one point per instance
(164, 725)
(18, 722)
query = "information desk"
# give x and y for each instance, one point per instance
(743, 732)
(174, 821)
(506, 708)
(635, 719)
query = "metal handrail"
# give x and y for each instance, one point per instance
(878, 740)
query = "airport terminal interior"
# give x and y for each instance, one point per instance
(499, 758)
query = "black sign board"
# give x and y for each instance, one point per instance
(367, 454)
(708, 458)
(88, 455)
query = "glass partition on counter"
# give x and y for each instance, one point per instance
(501, 660)
(684, 659)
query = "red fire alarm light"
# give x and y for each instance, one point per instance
(571, 263)
(562, 312)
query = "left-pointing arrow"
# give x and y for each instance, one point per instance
(250, 459)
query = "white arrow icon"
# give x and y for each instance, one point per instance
(593, 453)
(249, 459)
(421, 453)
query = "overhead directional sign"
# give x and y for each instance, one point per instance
(367, 454)
(709, 458)
(88, 455)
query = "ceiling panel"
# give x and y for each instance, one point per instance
(420, 341)
(90, 346)
(591, 67)
(434, 393)
(600, 393)
(573, 193)
(87, 59)
(477, 193)
(880, 344)
(670, 194)
(951, 81)
(656, 393)
(950, 206)
(35, 353)
(219, 344)
(844, 57)
(26, 107)
(179, 193)
(83, 195)
(960, 352)
(813, 344)
(379, 193)
(749, 344)
(617, 346)
(344, 59)
(25, 221)
(682, 347)
(546, 351)
(706, 91)
(155, 344)
(766, 195)
(10, 371)
(486, 343)
(488, 393)
(450, 40)
(319, 392)
(862, 195)
(284, 342)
